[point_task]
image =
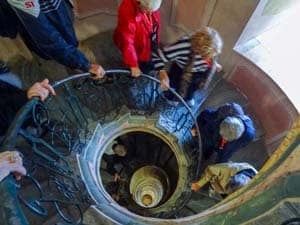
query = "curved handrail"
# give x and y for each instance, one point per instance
(127, 72)
(9, 140)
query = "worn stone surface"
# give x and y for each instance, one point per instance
(269, 104)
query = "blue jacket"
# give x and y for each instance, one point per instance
(46, 28)
(209, 124)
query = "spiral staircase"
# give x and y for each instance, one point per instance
(63, 141)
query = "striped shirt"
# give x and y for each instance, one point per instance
(49, 5)
(179, 53)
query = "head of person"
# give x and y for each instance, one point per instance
(207, 42)
(231, 128)
(236, 182)
(119, 150)
(149, 6)
(147, 200)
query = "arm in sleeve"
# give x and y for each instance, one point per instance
(50, 42)
(12, 99)
(204, 117)
(126, 32)
(171, 53)
(230, 109)
(206, 176)
(110, 161)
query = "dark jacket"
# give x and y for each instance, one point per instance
(49, 33)
(112, 160)
(11, 100)
(8, 21)
(209, 124)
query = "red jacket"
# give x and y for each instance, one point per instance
(133, 31)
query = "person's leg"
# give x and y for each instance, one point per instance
(146, 67)
(175, 74)
(11, 100)
(197, 78)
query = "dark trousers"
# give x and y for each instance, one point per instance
(185, 89)
(11, 100)
(146, 67)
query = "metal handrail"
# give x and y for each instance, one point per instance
(8, 185)
(127, 72)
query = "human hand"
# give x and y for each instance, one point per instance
(116, 197)
(41, 90)
(11, 162)
(117, 177)
(194, 132)
(135, 71)
(219, 67)
(195, 187)
(164, 80)
(97, 71)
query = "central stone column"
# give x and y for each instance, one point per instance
(148, 186)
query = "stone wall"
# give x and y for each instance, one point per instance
(269, 104)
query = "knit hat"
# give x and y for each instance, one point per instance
(151, 4)
(236, 182)
(231, 128)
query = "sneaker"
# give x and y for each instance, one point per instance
(173, 103)
(191, 102)
(169, 98)
(167, 95)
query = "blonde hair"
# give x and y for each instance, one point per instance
(207, 42)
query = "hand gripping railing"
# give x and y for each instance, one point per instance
(8, 187)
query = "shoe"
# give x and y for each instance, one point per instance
(169, 98)
(191, 102)
(167, 95)
(173, 103)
